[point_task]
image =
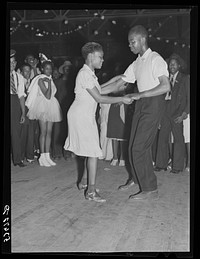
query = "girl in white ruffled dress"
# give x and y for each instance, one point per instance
(44, 107)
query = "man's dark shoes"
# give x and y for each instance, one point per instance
(127, 185)
(158, 169)
(144, 195)
(174, 171)
(21, 164)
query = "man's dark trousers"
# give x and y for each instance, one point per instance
(146, 118)
(167, 126)
(15, 128)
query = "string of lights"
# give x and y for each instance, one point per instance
(39, 32)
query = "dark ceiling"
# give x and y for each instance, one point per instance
(169, 24)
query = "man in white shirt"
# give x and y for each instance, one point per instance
(17, 100)
(150, 72)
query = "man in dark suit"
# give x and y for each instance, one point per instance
(177, 110)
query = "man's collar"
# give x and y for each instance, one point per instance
(146, 53)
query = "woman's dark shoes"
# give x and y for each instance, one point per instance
(158, 169)
(21, 164)
(94, 196)
(174, 171)
(82, 186)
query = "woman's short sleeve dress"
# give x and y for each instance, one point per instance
(83, 136)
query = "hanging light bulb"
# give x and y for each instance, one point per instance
(80, 27)
(149, 29)
(189, 46)
(102, 17)
(26, 25)
(14, 18)
(167, 41)
(158, 38)
(113, 22)
(175, 43)
(108, 33)
(46, 11)
(66, 22)
(95, 14)
(96, 32)
(150, 35)
(183, 45)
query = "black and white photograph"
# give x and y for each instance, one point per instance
(99, 129)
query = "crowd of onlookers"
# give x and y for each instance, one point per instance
(114, 121)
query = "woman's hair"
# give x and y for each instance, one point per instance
(90, 47)
(45, 63)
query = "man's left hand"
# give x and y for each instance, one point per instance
(22, 119)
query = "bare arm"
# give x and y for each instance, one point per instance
(45, 91)
(107, 99)
(116, 86)
(112, 80)
(22, 104)
(162, 88)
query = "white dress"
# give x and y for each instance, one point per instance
(41, 108)
(186, 129)
(106, 143)
(83, 136)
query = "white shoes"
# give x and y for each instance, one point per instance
(47, 156)
(121, 163)
(114, 162)
(45, 160)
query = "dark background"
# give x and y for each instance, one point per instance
(169, 30)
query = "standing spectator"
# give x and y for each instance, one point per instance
(43, 106)
(63, 95)
(33, 62)
(177, 110)
(17, 99)
(106, 143)
(55, 74)
(28, 126)
(186, 133)
(116, 126)
(35, 70)
(117, 132)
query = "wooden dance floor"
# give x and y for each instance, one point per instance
(49, 213)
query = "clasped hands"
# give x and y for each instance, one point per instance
(129, 98)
